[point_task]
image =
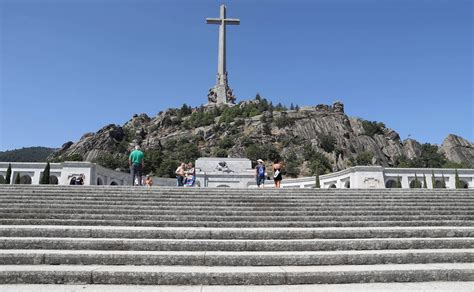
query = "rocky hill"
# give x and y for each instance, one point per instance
(318, 138)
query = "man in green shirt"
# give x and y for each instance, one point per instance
(135, 161)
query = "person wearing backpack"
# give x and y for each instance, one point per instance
(260, 173)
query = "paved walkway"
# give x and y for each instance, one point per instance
(372, 287)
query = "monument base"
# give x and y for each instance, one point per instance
(221, 94)
(224, 172)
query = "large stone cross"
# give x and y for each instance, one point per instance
(221, 93)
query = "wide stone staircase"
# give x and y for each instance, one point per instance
(184, 236)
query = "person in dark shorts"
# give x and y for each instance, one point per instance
(277, 177)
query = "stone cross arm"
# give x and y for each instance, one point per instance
(231, 21)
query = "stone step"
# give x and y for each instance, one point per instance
(233, 217)
(229, 275)
(232, 233)
(228, 213)
(275, 195)
(227, 205)
(151, 223)
(130, 189)
(438, 286)
(234, 244)
(171, 190)
(220, 258)
(231, 205)
(242, 195)
(172, 208)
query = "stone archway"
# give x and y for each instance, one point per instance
(223, 186)
(347, 185)
(416, 184)
(332, 186)
(114, 183)
(53, 180)
(25, 180)
(438, 184)
(390, 184)
(464, 184)
(99, 181)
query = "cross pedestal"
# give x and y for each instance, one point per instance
(221, 92)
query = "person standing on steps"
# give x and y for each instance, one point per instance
(180, 173)
(136, 163)
(277, 177)
(260, 173)
(190, 175)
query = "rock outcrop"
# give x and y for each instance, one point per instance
(458, 149)
(289, 131)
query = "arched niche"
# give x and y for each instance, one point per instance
(464, 184)
(390, 184)
(25, 180)
(53, 180)
(438, 184)
(416, 184)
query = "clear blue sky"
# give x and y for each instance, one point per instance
(71, 67)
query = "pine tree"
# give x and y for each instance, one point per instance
(9, 174)
(457, 181)
(18, 179)
(433, 180)
(416, 183)
(292, 107)
(318, 183)
(399, 182)
(46, 175)
(425, 185)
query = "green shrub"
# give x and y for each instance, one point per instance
(267, 152)
(200, 118)
(328, 143)
(399, 182)
(372, 128)
(292, 164)
(415, 184)
(18, 178)
(363, 158)
(112, 161)
(184, 111)
(218, 152)
(317, 162)
(457, 181)
(46, 174)
(283, 121)
(226, 143)
(8, 174)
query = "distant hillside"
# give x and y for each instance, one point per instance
(309, 139)
(28, 154)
